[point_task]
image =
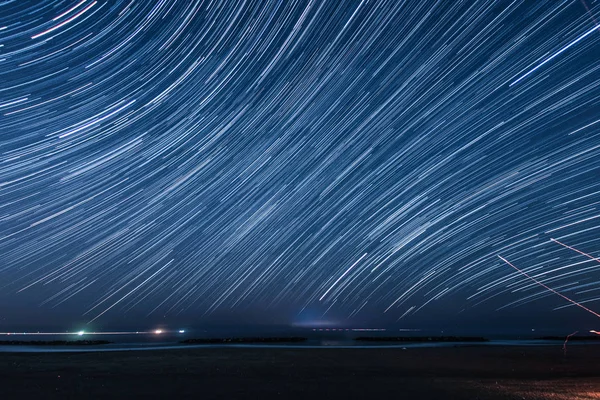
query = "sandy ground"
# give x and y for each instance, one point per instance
(262, 373)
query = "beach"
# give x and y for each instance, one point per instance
(462, 372)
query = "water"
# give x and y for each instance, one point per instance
(309, 344)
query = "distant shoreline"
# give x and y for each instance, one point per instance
(409, 339)
(245, 340)
(421, 339)
(53, 342)
(571, 338)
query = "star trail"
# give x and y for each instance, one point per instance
(365, 160)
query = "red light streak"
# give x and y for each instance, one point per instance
(566, 340)
(550, 289)
(574, 249)
(590, 14)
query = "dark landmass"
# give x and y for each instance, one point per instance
(475, 372)
(245, 340)
(571, 338)
(53, 342)
(421, 339)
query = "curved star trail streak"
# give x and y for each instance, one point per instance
(367, 159)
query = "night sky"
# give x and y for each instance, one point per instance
(355, 163)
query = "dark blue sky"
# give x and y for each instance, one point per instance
(262, 162)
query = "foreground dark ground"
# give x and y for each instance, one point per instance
(259, 373)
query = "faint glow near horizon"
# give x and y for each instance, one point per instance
(349, 329)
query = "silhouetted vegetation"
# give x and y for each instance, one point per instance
(245, 340)
(421, 339)
(53, 342)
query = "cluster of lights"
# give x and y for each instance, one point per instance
(160, 331)
(82, 333)
(348, 329)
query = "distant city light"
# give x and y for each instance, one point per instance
(356, 329)
(82, 333)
